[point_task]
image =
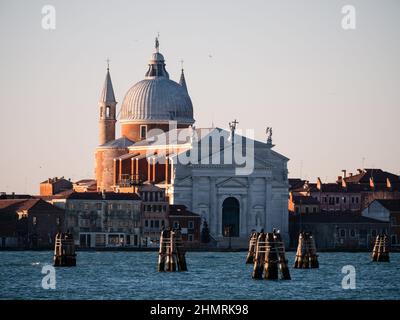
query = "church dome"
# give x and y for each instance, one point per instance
(157, 98)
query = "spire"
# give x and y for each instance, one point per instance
(182, 80)
(107, 94)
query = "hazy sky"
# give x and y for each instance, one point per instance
(331, 95)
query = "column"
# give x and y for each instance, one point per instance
(166, 170)
(148, 169)
(154, 169)
(120, 170)
(115, 172)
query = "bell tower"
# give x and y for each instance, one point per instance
(107, 105)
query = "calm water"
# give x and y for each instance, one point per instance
(133, 275)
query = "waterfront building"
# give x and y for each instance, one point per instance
(29, 223)
(157, 131)
(155, 208)
(102, 219)
(52, 186)
(338, 230)
(350, 193)
(189, 222)
(387, 210)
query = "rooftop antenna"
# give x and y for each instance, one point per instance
(301, 168)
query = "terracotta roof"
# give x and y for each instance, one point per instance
(181, 210)
(99, 196)
(378, 175)
(27, 204)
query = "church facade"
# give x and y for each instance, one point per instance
(236, 183)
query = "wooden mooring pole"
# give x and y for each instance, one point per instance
(269, 257)
(380, 253)
(306, 255)
(171, 255)
(252, 248)
(64, 250)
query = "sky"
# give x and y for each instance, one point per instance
(331, 94)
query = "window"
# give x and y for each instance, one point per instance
(148, 208)
(162, 223)
(356, 199)
(352, 199)
(393, 221)
(34, 221)
(352, 233)
(297, 209)
(176, 224)
(190, 225)
(143, 131)
(98, 206)
(373, 233)
(151, 223)
(307, 210)
(155, 196)
(108, 111)
(394, 239)
(344, 199)
(337, 200)
(190, 237)
(159, 208)
(157, 224)
(342, 233)
(145, 196)
(146, 223)
(314, 210)
(86, 206)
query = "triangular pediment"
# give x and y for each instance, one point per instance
(183, 182)
(232, 183)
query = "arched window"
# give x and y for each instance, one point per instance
(108, 112)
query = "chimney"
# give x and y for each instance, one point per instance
(359, 171)
(339, 179)
(371, 182)
(319, 183)
(344, 173)
(388, 183)
(350, 174)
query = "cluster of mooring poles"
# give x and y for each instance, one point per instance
(380, 253)
(306, 255)
(64, 250)
(267, 252)
(171, 256)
